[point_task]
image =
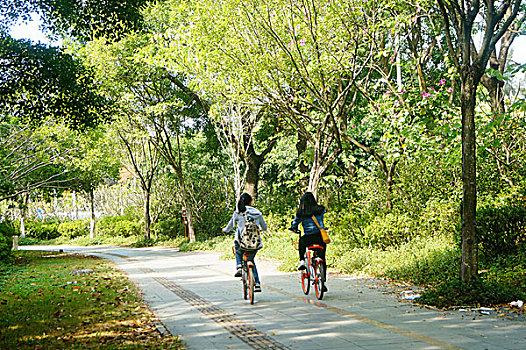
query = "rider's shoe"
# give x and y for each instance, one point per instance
(302, 266)
(324, 289)
(238, 273)
(257, 288)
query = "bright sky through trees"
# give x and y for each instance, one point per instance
(31, 30)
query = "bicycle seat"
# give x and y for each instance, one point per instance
(315, 246)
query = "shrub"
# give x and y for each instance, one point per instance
(42, 230)
(390, 230)
(501, 230)
(6, 242)
(169, 227)
(348, 225)
(439, 217)
(73, 229)
(123, 225)
(126, 228)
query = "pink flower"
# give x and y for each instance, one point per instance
(353, 126)
(426, 94)
(391, 60)
(289, 45)
(302, 42)
(450, 89)
(442, 82)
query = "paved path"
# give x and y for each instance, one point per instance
(196, 296)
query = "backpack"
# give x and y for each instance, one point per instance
(250, 237)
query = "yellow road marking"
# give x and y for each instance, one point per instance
(363, 319)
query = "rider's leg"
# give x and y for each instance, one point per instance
(239, 256)
(251, 257)
(302, 246)
(239, 259)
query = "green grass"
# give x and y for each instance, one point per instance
(45, 306)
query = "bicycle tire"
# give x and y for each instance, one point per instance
(244, 278)
(305, 281)
(251, 284)
(319, 284)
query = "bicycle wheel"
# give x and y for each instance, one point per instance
(305, 281)
(319, 284)
(244, 278)
(251, 284)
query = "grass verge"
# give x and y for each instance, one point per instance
(45, 305)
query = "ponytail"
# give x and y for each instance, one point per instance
(244, 200)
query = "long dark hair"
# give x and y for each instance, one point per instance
(309, 207)
(244, 200)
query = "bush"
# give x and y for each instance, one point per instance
(42, 230)
(6, 242)
(127, 228)
(501, 230)
(390, 230)
(73, 229)
(123, 226)
(169, 227)
(348, 225)
(439, 217)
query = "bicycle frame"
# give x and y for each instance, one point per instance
(248, 278)
(314, 271)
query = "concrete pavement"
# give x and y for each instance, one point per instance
(196, 296)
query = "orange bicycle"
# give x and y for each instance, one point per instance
(314, 272)
(247, 277)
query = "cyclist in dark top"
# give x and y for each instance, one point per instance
(307, 208)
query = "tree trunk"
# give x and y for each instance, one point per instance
(389, 185)
(92, 214)
(147, 218)
(469, 264)
(189, 215)
(322, 160)
(252, 176)
(314, 179)
(189, 208)
(75, 205)
(23, 213)
(22, 223)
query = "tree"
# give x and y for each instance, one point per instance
(238, 128)
(34, 159)
(159, 102)
(79, 19)
(143, 162)
(39, 83)
(301, 59)
(95, 164)
(460, 20)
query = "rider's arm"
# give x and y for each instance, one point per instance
(231, 224)
(295, 224)
(262, 223)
